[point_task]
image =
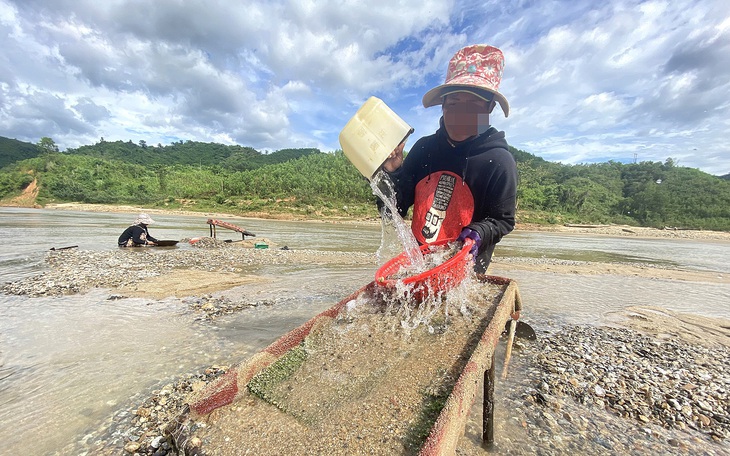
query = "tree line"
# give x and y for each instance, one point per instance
(241, 180)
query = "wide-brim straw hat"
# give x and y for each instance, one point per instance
(144, 219)
(475, 69)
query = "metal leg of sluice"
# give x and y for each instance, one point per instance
(488, 407)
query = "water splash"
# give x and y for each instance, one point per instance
(382, 187)
(437, 310)
(410, 312)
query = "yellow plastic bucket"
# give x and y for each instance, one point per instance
(371, 135)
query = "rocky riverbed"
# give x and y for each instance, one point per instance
(581, 389)
(212, 265)
(208, 266)
(584, 390)
(601, 390)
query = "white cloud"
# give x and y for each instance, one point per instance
(586, 81)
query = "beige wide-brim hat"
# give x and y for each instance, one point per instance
(144, 219)
(475, 69)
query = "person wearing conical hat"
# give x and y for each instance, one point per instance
(462, 180)
(137, 234)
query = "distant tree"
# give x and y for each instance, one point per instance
(522, 156)
(161, 172)
(47, 145)
(142, 143)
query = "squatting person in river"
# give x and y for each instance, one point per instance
(137, 235)
(462, 180)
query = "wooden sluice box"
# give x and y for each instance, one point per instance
(371, 375)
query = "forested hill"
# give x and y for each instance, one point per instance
(12, 150)
(240, 180)
(238, 158)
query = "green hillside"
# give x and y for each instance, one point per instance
(188, 153)
(12, 150)
(240, 180)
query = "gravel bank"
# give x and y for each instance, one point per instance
(600, 390)
(628, 231)
(215, 265)
(138, 271)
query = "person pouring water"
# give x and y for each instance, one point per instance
(461, 180)
(137, 235)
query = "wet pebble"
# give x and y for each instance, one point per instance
(555, 403)
(78, 271)
(620, 391)
(144, 428)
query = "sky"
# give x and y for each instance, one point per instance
(587, 82)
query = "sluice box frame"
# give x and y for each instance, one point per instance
(449, 425)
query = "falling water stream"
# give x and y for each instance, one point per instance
(382, 187)
(410, 312)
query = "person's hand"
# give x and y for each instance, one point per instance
(395, 159)
(468, 233)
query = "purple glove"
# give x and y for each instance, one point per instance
(473, 235)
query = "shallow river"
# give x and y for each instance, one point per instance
(68, 363)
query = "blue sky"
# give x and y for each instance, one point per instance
(587, 81)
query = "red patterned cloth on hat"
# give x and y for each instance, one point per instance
(476, 69)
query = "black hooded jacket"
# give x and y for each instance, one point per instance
(138, 234)
(483, 164)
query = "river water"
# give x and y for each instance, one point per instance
(67, 363)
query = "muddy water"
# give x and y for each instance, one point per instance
(67, 363)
